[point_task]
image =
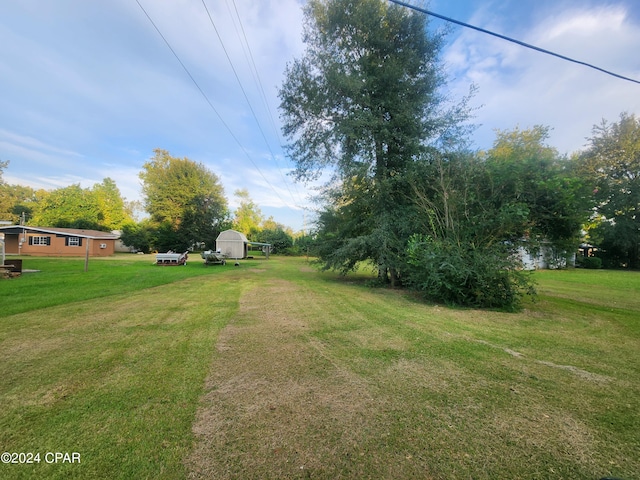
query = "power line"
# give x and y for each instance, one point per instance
(252, 63)
(512, 40)
(246, 97)
(209, 102)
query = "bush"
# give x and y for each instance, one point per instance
(591, 262)
(279, 239)
(462, 274)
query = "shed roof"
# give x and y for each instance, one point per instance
(68, 232)
(232, 235)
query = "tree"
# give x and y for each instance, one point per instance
(527, 176)
(14, 199)
(463, 249)
(247, 217)
(3, 164)
(68, 207)
(363, 100)
(185, 200)
(138, 235)
(278, 235)
(612, 161)
(112, 210)
(474, 211)
(99, 208)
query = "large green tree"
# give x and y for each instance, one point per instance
(113, 211)
(473, 212)
(185, 200)
(71, 207)
(362, 101)
(100, 207)
(612, 161)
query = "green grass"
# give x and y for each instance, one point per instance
(313, 375)
(63, 280)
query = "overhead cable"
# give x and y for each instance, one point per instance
(209, 102)
(246, 97)
(252, 63)
(512, 40)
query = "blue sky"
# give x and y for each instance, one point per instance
(89, 89)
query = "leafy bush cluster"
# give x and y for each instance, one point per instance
(461, 274)
(591, 262)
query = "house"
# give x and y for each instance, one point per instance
(545, 257)
(120, 247)
(58, 242)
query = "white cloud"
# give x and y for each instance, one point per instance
(521, 87)
(11, 140)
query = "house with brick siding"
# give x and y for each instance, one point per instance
(57, 242)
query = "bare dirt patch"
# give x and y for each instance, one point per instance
(593, 377)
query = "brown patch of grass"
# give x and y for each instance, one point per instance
(275, 406)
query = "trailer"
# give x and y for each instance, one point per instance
(212, 257)
(172, 258)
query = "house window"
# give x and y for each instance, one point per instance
(72, 241)
(40, 240)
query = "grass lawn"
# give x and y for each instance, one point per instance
(273, 370)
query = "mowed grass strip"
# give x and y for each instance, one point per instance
(115, 379)
(324, 378)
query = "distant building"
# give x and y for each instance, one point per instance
(545, 257)
(57, 242)
(233, 244)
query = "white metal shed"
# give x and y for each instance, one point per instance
(233, 244)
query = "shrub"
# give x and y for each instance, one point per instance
(279, 239)
(464, 274)
(592, 262)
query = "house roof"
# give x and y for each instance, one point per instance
(67, 232)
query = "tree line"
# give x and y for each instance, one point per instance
(184, 201)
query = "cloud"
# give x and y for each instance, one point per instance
(521, 87)
(11, 140)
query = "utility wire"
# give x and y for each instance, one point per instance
(261, 88)
(512, 40)
(209, 102)
(246, 97)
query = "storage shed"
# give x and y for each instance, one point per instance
(233, 244)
